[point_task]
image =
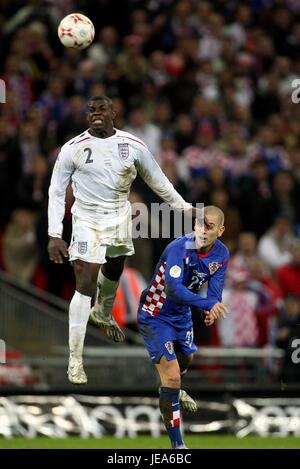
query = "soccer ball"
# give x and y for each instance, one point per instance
(76, 30)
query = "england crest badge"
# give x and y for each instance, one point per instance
(82, 247)
(123, 150)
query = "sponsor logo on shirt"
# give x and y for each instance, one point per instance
(175, 271)
(123, 150)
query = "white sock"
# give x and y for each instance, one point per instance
(79, 312)
(106, 293)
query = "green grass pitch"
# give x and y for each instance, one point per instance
(146, 442)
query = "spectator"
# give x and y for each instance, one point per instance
(268, 295)
(268, 150)
(220, 198)
(5, 181)
(256, 201)
(286, 195)
(184, 131)
(201, 156)
(288, 275)
(53, 101)
(275, 246)
(74, 122)
(246, 252)
(105, 49)
(20, 251)
(238, 159)
(241, 327)
(143, 129)
(32, 188)
(131, 60)
(295, 158)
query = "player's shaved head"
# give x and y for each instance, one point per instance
(210, 228)
(216, 212)
(106, 99)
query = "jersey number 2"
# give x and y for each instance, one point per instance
(89, 153)
(194, 282)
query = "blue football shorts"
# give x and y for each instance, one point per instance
(163, 339)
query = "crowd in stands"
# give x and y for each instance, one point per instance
(208, 86)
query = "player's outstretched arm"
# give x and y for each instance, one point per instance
(57, 250)
(155, 178)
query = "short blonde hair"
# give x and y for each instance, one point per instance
(214, 210)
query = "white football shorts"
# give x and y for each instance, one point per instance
(92, 241)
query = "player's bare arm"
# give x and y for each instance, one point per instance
(57, 250)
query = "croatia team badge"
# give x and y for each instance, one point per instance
(213, 267)
(169, 346)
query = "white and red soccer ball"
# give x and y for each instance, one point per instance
(76, 30)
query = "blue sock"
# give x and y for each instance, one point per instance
(170, 411)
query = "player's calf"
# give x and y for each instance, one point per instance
(170, 411)
(186, 402)
(101, 313)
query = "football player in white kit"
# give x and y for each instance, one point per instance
(101, 163)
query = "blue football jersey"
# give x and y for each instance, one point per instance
(178, 276)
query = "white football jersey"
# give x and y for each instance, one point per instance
(101, 171)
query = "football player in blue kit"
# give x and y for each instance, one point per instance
(165, 318)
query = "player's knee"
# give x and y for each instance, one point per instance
(85, 282)
(85, 288)
(172, 378)
(113, 267)
(173, 381)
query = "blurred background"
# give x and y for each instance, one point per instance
(208, 87)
